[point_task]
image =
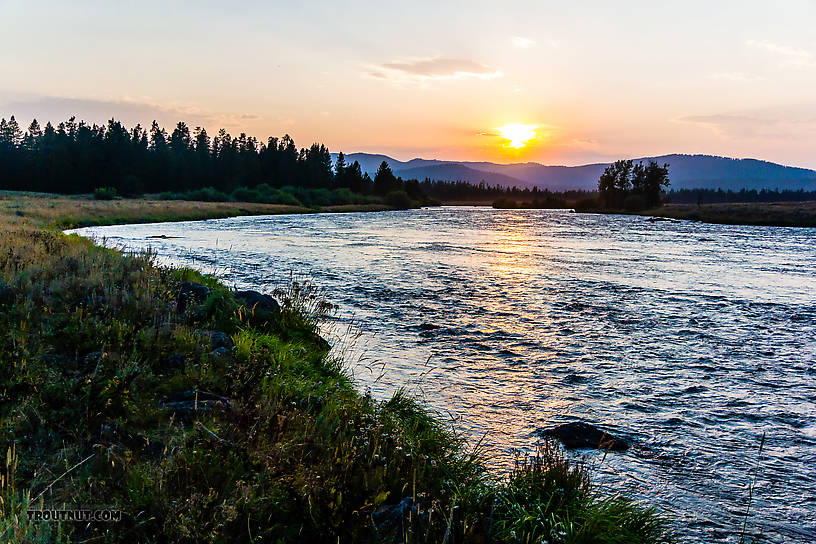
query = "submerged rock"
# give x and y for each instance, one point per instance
(429, 327)
(578, 434)
(190, 293)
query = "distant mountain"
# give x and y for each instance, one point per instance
(686, 171)
(455, 172)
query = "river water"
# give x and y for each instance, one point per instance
(689, 340)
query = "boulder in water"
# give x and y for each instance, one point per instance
(578, 434)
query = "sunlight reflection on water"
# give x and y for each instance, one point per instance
(690, 340)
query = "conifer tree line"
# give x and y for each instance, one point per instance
(76, 157)
(79, 158)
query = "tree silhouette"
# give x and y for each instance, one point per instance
(384, 180)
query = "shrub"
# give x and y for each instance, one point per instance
(207, 194)
(399, 199)
(244, 194)
(634, 203)
(504, 203)
(321, 197)
(587, 204)
(282, 197)
(104, 193)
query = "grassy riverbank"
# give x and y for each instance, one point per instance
(769, 214)
(774, 214)
(63, 212)
(204, 419)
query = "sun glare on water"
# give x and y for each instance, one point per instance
(517, 134)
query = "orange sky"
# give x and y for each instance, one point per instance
(434, 80)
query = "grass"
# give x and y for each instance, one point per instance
(276, 446)
(37, 210)
(775, 214)
(769, 214)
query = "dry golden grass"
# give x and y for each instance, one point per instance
(53, 211)
(781, 214)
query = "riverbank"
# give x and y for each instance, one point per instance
(772, 214)
(206, 414)
(769, 214)
(42, 210)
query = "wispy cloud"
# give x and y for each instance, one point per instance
(126, 109)
(522, 42)
(434, 68)
(772, 124)
(738, 77)
(791, 56)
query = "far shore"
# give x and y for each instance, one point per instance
(39, 210)
(768, 214)
(62, 212)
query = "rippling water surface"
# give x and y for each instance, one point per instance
(690, 340)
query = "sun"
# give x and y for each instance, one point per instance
(517, 134)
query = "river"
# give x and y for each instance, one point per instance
(690, 340)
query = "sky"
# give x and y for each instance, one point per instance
(593, 81)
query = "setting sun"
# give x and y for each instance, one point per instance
(517, 134)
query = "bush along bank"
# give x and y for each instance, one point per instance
(205, 414)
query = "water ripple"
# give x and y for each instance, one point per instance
(691, 340)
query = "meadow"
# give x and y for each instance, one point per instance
(774, 214)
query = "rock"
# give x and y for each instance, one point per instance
(321, 343)
(190, 293)
(58, 360)
(583, 435)
(261, 309)
(222, 353)
(176, 361)
(258, 302)
(188, 403)
(94, 358)
(387, 516)
(111, 433)
(429, 327)
(217, 339)
(6, 294)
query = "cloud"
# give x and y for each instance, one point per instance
(434, 68)
(791, 56)
(128, 110)
(739, 77)
(790, 122)
(522, 42)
